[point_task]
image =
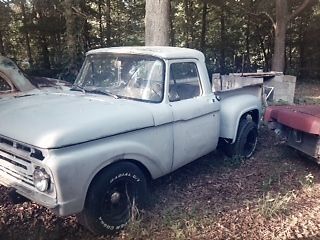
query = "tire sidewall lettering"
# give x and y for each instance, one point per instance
(123, 175)
(110, 227)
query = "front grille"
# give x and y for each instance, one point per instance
(17, 167)
(16, 161)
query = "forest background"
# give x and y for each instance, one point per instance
(50, 37)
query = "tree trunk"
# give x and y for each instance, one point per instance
(191, 24)
(86, 40)
(1, 44)
(58, 49)
(278, 60)
(247, 55)
(157, 23)
(172, 30)
(263, 49)
(26, 34)
(71, 32)
(290, 48)
(100, 23)
(222, 41)
(86, 36)
(45, 53)
(108, 19)
(187, 23)
(302, 55)
(204, 26)
(280, 27)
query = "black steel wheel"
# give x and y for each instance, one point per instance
(112, 198)
(246, 140)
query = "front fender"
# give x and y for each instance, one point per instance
(75, 167)
(232, 109)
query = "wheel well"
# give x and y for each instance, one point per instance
(253, 114)
(250, 115)
(142, 167)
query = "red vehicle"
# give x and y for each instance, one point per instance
(298, 125)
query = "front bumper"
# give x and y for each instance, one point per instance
(17, 164)
(37, 197)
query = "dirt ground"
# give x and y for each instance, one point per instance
(273, 195)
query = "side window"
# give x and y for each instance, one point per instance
(4, 86)
(184, 81)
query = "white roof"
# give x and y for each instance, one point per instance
(156, 51)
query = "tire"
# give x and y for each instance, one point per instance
(246, 140)
(111, 198)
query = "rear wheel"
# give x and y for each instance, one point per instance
(113, 197)
(246, 140)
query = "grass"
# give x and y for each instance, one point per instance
(233, 162)
(270, 181)
(271, 205)
(307, 181)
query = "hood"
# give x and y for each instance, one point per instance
(56, 120)
(17, 94)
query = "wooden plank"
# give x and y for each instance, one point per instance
(231, 82)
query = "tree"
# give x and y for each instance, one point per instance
(25, 31)
(157, 23)
(5, 19)
(71, 31)
(204, 25)
(108, 19)
(55, 34)
(280, 27)
(223, 38)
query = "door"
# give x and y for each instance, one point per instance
(196, 118)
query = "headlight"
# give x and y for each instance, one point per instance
(41, 179)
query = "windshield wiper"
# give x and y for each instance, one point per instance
(77, 88)
(99, 91)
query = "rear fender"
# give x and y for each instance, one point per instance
(233, 109)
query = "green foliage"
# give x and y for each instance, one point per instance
(235, 35)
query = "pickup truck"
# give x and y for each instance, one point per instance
(133, 114)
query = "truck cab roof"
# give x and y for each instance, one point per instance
(156, 51)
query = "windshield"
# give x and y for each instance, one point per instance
(122, 76)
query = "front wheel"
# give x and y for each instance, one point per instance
(246, 140)
(112, 197)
